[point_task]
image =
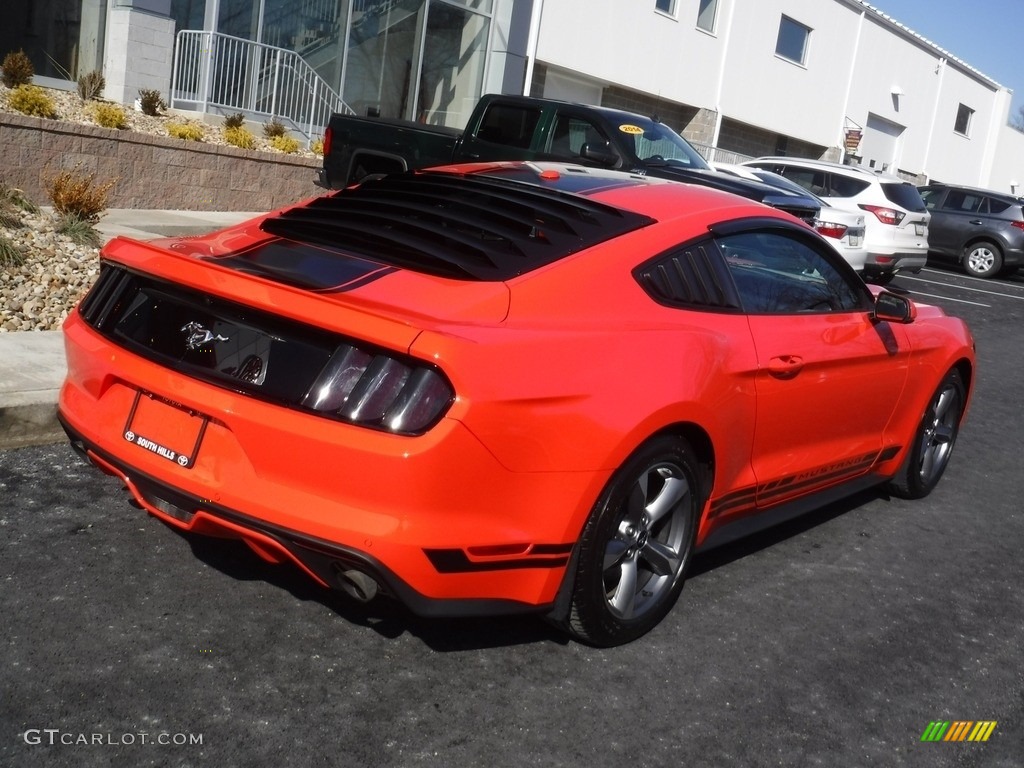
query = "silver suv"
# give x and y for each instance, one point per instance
(896, 233)
(980, 229)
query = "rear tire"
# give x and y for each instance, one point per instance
(983, 259)
(637, 545)
(933, 441)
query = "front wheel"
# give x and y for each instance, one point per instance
(637, 545)
(983, 259)
(933, 443)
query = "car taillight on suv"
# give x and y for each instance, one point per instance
(885, 215)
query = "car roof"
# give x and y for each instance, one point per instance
(825, 165)
(1006, 196)
(495, 221)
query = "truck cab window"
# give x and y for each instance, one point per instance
(570, 134)
(510, 125)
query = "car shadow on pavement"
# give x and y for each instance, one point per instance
(390, 619)
(385, 616)
(749, 545)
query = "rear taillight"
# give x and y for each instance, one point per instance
(376, 390)
(327, 141)
(829, 229)
(1017, 224)
(885, 215)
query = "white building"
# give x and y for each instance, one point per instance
(836, 79)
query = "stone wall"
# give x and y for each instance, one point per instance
(151, 171)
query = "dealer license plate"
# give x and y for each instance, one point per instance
(165, 429)
(920, 229)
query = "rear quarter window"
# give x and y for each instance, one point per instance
(847, 186)
(998, 206)
(510, 125)
(904, 195)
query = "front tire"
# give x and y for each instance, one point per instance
(637, 545)
(934, 439)
(983, 259)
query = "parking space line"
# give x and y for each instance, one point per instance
(947, 298)
(1019, 297)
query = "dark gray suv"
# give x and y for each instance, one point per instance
(978, 228)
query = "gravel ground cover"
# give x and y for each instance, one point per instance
(48, 272)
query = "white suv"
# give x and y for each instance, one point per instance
(896, 233)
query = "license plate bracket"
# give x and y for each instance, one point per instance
(165, 429)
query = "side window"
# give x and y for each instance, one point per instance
(964, 118)
(997, 206)
(509, 125)
(931, 197)
(845, 186)
(569, 134)
(812, 181)
(962, 202)
(777, 272)
(792, 41)
(706, 15)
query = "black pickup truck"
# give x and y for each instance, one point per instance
(524, 128)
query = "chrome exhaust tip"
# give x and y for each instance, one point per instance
(357, 584)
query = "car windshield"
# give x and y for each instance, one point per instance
(654, 142)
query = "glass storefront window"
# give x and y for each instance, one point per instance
(453, 65)
(416, 60)
(62, 38)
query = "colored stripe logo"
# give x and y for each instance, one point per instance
(958, 730)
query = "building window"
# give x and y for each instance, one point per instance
(792, 42)
(666, 6)
(706, 15)
(964, 118)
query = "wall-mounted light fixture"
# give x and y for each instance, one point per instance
(896, 92)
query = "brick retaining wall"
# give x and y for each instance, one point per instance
(152, 171)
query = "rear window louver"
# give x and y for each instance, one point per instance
(690, 278)
(463, 227)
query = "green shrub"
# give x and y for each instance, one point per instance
(90, 85)
(186, 131)
(10, 254)
(274, 128)
(317, 147)
(76, 193)
(16, 69)
(81, 231)
(110, 116)
(32, 100)
(285, 144)
(151, 102)
(236, 120)
(239, 137)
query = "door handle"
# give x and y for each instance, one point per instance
(977, 221)
(785, 366)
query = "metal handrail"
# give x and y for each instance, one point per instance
(214, 72)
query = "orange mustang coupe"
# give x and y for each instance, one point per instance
(507, 387)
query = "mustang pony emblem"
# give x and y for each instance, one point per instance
(198, 337)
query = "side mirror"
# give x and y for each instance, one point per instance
(598, 154)
(894, 309)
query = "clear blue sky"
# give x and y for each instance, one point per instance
(987, 34)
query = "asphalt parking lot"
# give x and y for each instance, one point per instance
(832, 641)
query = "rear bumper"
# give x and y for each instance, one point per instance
(323, 561)
(437, 520)
(885, 263)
